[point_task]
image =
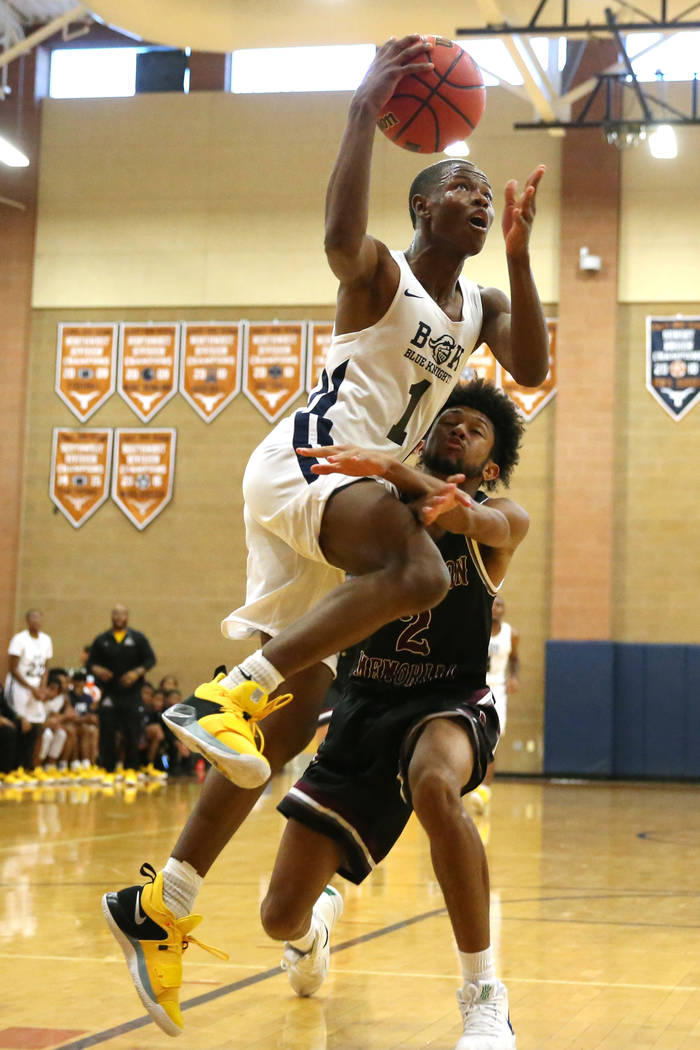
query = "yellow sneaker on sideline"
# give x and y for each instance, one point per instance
(152, 940)
(480, 798)
(222, 725)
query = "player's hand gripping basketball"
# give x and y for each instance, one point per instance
(519, 214)
(394, 60)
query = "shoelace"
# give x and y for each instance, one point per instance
(481, 1018)
(188, 939)
(224, 698)
(149, 872)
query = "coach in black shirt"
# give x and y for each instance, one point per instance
(119, 659)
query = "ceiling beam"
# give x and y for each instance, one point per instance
(31, 41)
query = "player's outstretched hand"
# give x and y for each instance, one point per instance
(428, 508)
(394, 59)
(352, 460)
(519, 213)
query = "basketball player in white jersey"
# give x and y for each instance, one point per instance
(405, 324)
(502, 679)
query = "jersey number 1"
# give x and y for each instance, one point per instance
(397, 434)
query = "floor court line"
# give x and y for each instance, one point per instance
(246, 982)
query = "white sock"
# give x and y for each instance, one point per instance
(257, 667)
(46, 738)
(181, 884)
(306, 943)
(478, 966)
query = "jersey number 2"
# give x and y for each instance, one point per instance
(397, 434)
(410, 641)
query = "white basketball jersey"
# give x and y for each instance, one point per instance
(382, 387)
(499, 651)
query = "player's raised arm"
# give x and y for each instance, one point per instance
(498, 523)
(516, 331)
(352, 254)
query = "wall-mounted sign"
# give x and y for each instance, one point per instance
(530, 402)
(318, 344)
(483, 364)
(80, 467)
(85, 366)
(210, 367)
(673, 362)
(144, 468)
(148, 363)
(274, 365)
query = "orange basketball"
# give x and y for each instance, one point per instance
(430, 110)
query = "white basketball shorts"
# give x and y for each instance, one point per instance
(287, 573)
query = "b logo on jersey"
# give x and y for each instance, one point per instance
(443, 347)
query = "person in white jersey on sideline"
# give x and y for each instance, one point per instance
(502, 679)
(29, 652)
(405, 324)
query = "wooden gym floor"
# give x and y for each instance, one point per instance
(596, 917)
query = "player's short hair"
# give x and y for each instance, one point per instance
(427, 179)
(508, 424)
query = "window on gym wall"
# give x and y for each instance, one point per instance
(116, 72)
(675, 58)
(341, 68)
(93, 72)
(274, 69)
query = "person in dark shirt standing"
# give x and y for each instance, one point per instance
(119, 659)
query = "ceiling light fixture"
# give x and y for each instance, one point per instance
(662, 142)
(10, 155)
(457, 149)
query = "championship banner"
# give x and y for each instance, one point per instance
(274, 365)
(148, 361)
(80, 465)
(210, 368)
(144, 468)
(673, 362)
(319, 341)
(482, 364)
(530, 402)
(85, 366)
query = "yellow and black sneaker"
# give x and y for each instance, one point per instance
(153, 941)
(222, 725)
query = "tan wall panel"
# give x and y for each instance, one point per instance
(215, 198)
(657, 573)
(660, 223)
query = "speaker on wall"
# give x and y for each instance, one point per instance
(160, 70)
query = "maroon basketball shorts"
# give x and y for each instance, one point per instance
(355, 790)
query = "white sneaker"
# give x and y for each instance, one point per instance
(307, 970)
(484, 1009)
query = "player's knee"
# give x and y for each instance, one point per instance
(425, 584)
(436, 798)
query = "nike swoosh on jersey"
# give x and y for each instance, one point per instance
(413, 295)
(139, 917)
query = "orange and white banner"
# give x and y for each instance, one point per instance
(148, 364)
(530, 402)
(482, 364)
(85, 366)
(319, 341)
(210, 365)
(80, 466)
(144, 468)
(274, 365)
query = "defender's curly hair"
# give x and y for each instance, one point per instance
(505, 418)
